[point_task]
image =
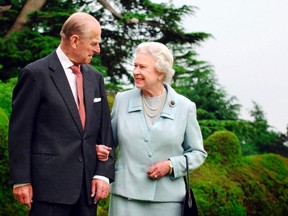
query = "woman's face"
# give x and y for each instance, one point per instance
(146, 76)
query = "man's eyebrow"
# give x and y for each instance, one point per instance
(98, 40)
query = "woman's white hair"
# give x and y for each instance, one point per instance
(163, 58)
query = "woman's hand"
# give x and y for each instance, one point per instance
(159, 169)
(103, 152)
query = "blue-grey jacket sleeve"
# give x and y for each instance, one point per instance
(192, 145)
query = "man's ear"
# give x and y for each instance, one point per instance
(74, 40)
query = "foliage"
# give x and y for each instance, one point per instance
(258, 114)
(227, 184)
(9, 206)
(264, 180)
(8, 18)
(38, 37)
(223, 147)
(253, 137)
(22, 48)
(6, 95)
(102, 209)
(216, 194)
(250, 185)
(155, 21)
(152, 21)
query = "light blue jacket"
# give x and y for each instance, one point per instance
(174, 134)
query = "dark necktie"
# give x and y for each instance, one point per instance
(80, 95)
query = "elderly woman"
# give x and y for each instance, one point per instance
(154, 128)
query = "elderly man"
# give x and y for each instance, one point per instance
(60, 112)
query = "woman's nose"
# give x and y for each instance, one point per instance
(136, 71)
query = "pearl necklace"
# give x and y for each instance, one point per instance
(153, 111)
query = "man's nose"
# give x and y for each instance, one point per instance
(97, 48)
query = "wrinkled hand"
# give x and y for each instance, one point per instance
(103, 152)
(24, 194)
(159, 170)
(99, 189)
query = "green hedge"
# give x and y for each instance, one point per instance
(231, 184)
(253, 138)
(8, 205)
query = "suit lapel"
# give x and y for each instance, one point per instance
(88, 92)
(59, 78)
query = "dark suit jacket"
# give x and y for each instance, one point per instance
(47, 144)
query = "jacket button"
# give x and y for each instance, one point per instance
(80, 159)
(150, 154)
(146, 139)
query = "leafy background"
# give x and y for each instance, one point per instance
(247, 167)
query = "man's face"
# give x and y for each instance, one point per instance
(88, 46)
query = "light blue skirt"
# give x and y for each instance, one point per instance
(122, 206)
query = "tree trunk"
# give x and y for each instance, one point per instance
(117, 15)
(29, 7)
(109, 7)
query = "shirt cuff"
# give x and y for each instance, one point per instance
(19, 185)
(102, 178)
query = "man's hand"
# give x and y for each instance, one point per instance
(99, 189)
(24, 194)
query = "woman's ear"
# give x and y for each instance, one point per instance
(161, 76)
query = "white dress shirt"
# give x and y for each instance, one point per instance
(66, 64)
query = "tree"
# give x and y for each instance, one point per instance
(125, 24)
(34, 39)
(137, 21)
(258, 114)
(29, 7)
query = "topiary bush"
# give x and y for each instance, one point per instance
(231, 184)
(223, 147)
(216, 193)
(264, 181)
(253, 137)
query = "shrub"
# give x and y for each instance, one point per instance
(253, 137)
(8, 204)
(6, 95)
(216, 193)
(264, 181)
(223, 147)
